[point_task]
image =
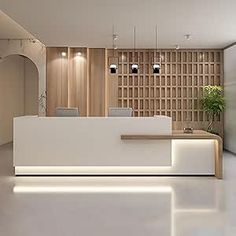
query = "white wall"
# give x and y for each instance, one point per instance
(230, 96)
(18, 93)
(31, 88)
(11, 95)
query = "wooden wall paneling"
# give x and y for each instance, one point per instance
(176, 92)
(112, 80)
(71, 83)
(57, 79)
(97, 80)
(88, 82)
(106, 83)
(78, 79)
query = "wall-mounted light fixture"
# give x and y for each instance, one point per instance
(134, 66)
(78, 54)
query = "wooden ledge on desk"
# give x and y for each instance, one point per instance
(176, 134)
(179, 134)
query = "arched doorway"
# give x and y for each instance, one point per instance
(19, 82)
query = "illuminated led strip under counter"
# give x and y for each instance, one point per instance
(196, 135)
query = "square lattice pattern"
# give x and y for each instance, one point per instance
(176, 91)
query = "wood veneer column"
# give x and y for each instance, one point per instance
(78, 76)
(97, 81)
(57, 79)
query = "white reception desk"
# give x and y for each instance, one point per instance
(109, 146)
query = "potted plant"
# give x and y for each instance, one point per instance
(213, 103)
(42, 102)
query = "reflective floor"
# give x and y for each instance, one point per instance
(105, 206)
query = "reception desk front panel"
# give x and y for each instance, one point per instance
(89, 142)
(98, 146)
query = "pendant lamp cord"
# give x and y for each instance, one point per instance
(134, 42)
(113, 40)
(156, 43)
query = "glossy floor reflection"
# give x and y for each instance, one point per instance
(116, 206)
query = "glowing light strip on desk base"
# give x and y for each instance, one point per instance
(118, 170)
(90, 170)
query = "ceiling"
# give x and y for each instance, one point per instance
(10, 29)
(212, 23)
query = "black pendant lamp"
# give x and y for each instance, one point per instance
(156, 67)
(134, 66)
(113, 67)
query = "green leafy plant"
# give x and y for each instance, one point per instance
(213, 103)
(42, 101)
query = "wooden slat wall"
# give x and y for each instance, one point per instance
(57, 79)
(97, 81)
(176, 92)
(77, 81)
(78, 78)
(86, 83)
(67, 79)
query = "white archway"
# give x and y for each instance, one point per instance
(19, 87)
(36, 52)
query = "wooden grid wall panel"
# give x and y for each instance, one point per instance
(176, 91)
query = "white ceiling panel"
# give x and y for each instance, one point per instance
(212, 23)
(10, 29)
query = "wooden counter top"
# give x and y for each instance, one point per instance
(176, 134)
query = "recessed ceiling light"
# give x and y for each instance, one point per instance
(177, 47)
(63, 54)
(188, 36)
(115, 36)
